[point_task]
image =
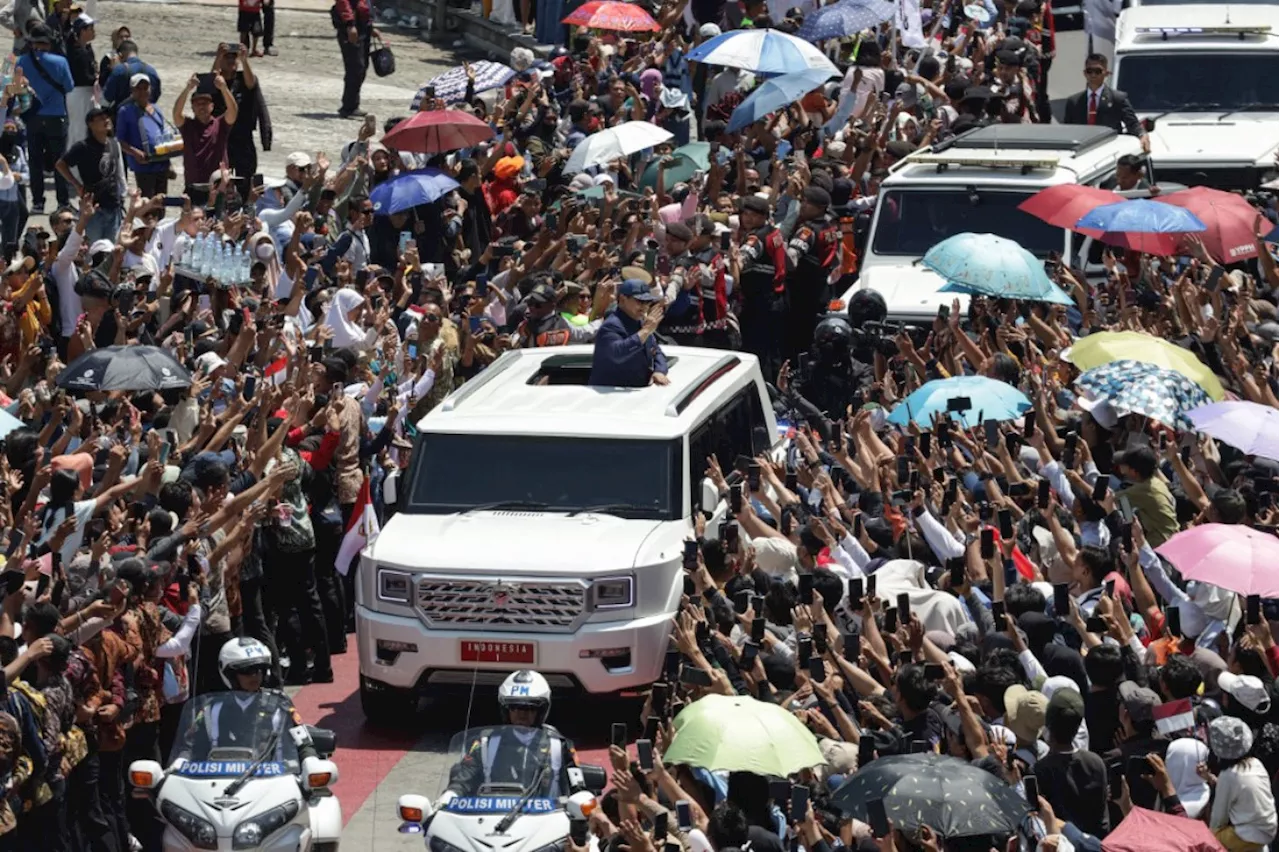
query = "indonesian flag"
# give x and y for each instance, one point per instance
(1174, 716)
(361, 531)
(277, 372)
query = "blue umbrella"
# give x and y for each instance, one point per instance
(1141, 216)
(766, 52)
(1136, 387)
(988, 400)
(774, 94)
(451, 86)
(409, 190)
(988, 265)
(8, 423)
(846, 18)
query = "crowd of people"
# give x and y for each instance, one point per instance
(992, 595)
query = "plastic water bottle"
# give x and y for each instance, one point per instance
(202, 256)
(246, 265)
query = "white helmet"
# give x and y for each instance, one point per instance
(242, 655)
(525, 688)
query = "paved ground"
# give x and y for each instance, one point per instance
(302, 87)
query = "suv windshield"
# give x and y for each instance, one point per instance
(630, 477)
(515, 759)
(1207, 82)
(221, 734)
(913, 221)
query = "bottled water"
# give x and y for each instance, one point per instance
(202, 256)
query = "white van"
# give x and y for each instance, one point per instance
(1207, 78)
(542, 525)
(975, 182)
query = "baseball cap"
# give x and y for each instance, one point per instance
(138, 79)
(636, 289)
(1230, 738)
(709, 30)
(209, 361)
(301, 159)
(1024, 712)
(101, 246)
(542, 294)
(1138, 700)
(1065, 705)
(907, 95)
(1247, 689)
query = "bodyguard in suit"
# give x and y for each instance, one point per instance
(1101, 104)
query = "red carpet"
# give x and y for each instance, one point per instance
(364, 756)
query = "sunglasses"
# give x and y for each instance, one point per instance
(1095, 72)
(431, 318)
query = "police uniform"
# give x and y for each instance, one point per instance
(239, 722)
(553, 329)
(514, 756)
(764, 291)
(699, 305)
(812, 253)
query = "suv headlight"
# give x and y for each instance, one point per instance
(252, 832)
(198, 830)
(613, 593)
(394, 586)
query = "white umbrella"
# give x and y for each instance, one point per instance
(608, 145)
(766, 52)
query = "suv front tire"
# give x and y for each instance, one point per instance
(384, 705)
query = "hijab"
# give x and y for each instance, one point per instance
(347, 334)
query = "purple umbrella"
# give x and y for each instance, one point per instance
(1247, 426)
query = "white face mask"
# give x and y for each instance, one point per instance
(263, 251)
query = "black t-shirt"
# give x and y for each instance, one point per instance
(98, 164)
(1075, 784)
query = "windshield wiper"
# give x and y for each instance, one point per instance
(1205, 106)
(506, 504)
(513, 814)
(612, 509)
(1247, 108)
(234, 786)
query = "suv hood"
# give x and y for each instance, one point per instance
(1199, 138)
(910, 290)
(534, 543)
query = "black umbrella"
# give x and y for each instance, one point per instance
(124, 368)
(952, 797)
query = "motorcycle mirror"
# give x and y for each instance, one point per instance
(145, 774)
(594, 778)
(414, 808)
(319, 773)
(325, 741)
(581, 805)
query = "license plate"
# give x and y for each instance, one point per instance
(497, 652)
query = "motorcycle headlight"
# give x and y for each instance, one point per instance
(252, 832)
(438, 845)
(613, 593)
(198, 830)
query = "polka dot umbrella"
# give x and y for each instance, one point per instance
(952, 797)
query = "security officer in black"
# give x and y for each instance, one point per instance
(760, 269)
(698, 307)
(543, 325)
(812, 253)
(832, 376)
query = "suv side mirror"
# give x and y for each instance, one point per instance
(594, 778)
(710, 496)
(861, 230)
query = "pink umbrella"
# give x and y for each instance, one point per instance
(612, 15)
(1233, 557)
(1148, 831)
(437, 131)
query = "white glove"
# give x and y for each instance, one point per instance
(445, 798)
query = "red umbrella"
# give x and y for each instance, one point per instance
(437, 131)
(1064, 204)
(1230, 218)
(1148, 831)
(612, 15)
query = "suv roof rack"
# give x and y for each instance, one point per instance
(1072, 138)
(705, 379)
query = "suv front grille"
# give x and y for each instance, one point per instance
(502, 604)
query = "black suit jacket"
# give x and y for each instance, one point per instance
(1114, 111)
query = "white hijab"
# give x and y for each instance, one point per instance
(346, 333)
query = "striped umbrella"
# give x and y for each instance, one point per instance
(612, 15)
(451, 86)
(768, 53)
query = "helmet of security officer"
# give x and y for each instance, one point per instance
(832, 338)
(245, 657)
(867, 305)
(525, 699)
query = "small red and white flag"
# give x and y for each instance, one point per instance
(277, 372)
(1174, 716)
(362, 529)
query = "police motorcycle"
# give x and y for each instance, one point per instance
(235, 780)
(533, 810)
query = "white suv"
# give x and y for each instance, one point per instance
(542, 525)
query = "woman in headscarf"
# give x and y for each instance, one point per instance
(503, 190)
(346, 310)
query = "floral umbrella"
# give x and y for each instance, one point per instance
(1135, 387)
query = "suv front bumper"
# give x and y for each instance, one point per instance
(411, 657)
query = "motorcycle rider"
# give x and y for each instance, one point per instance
(759, 268)
(513, 756)
(244, 664)
(812, 253)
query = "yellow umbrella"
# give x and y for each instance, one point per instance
(1106, 346)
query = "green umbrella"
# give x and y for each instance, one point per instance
(696, 156)
(741, 734)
